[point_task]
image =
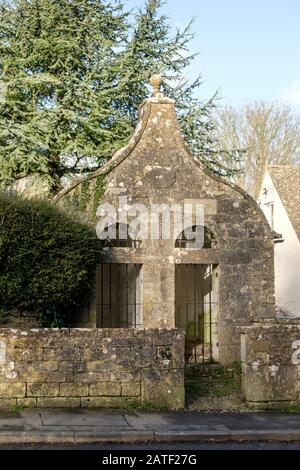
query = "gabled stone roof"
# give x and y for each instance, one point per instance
(286, 180)
(150, 123)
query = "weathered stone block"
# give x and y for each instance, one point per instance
(108, 402)
(29, 372)
(58, 402)
(83, 334)
(75, 389)
(7, 403)
(98, 353)
(49, 354)
(12, 390)
(98, 366)
(91, 377)
(73, 367)
(142, 357)
(28, 402)
(164, 388)
(131, 389)
(24, 355)
(269, 374)
(60, 376)
(137, 341)
(71, 353)
(166, 336)
(42, 389)
(47, 366)
(125, 376)
(105, 389)
(261, 346)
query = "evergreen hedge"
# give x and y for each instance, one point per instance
(47, 259)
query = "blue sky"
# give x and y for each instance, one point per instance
(249, 49)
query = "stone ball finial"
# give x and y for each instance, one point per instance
(156, 81)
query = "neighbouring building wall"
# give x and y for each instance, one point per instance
(91, 367)
(286, 253)
(271, 364)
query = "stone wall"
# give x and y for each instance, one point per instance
(84, 316)
(271, 364)
(91, 367)
(17, 319)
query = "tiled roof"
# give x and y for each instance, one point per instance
(286, 180)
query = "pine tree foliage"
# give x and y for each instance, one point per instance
(73, 74)
(57, 60)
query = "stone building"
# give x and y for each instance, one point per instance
(208, 288)
(279, 199)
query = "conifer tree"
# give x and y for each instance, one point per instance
(58, 75)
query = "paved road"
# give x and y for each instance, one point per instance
(164, 447)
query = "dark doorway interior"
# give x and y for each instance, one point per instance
(196, 310)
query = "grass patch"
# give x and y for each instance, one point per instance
(18, 407)
(293, 408)
(216, 381)
(146, 406)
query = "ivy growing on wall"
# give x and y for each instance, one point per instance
(84, 195)
(98, 193)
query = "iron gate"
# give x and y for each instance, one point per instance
(196, 310)
(119, 295)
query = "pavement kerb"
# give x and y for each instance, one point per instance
(125, 436)
(37, 437)
(77, 437)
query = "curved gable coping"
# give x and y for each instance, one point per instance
(124, 152)
(271, 233)
(117, 158)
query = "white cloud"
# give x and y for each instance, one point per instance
(292, 93)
